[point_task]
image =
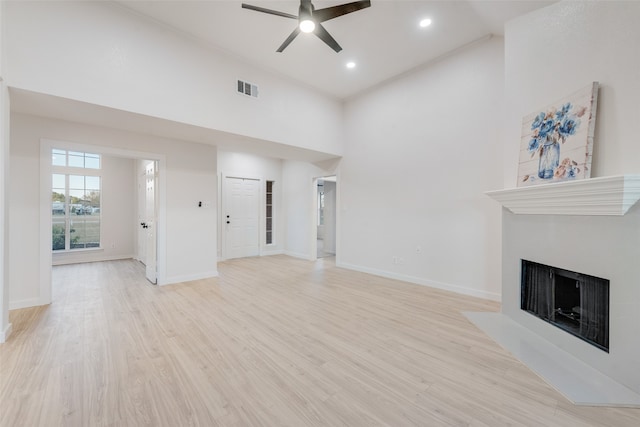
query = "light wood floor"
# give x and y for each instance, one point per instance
(273, 341)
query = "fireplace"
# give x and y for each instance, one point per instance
(590, 226)
(574, 302)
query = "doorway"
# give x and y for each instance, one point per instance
(326, 217)
(241, 217)
(158, 267)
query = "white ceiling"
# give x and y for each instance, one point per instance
(384, 40)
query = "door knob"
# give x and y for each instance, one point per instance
(228, 222)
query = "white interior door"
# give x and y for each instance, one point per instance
(241, 217)
(142, 210)
(149, 223)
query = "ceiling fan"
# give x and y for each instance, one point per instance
(310, 20)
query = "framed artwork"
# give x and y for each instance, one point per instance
(557, 140)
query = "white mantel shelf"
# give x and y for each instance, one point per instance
(611, 195)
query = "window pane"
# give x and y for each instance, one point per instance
(76, 159)
(76, 182)
(92, 200)
(58, 234)
(57, 195)
(92, 182)
(92, 161)
(58, 157)
(85, 233)
(57, 180)
(76, 197)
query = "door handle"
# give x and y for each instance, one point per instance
(144, 225)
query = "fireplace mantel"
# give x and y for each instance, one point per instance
(612, 195)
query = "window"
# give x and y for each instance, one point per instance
(269, 213)
(75, 200)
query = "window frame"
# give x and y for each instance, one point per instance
(67, 171)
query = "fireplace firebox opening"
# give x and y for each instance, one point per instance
(575, 302)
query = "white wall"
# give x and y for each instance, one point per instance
(557, 50)
(5, 326)
(580, 42)
(190, 248)
(100, 53)
(419, 153)
(243, 165)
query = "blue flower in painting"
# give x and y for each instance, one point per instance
(538, 121)
(553, 127)
(562, 112)
(547, 126)
(568, 127)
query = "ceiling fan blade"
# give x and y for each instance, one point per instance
(324, 35)
(321, 15)
(269, 11)
(289, 39)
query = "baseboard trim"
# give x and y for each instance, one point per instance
(91, 259)
(4, 335)
(274, 252)
(26, 303)
(424, 282)
(188, 278)
(297, 255)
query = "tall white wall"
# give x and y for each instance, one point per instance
(100, 53)
(419, 153)
(551, 53)
(5, 326)
(557, 50)
(190, 177)
(244, 165)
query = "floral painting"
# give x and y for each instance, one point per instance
(557, 141)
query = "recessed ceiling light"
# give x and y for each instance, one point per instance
(351, 64)
(425, 22)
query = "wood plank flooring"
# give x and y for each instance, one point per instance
(273, 341)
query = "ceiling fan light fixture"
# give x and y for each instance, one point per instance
(424, 23)
(307, 26)
(310, 19)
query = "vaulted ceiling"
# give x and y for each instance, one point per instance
(383, 40)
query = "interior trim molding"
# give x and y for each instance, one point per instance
(611, 195)
(4, 335)
(492, 296)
